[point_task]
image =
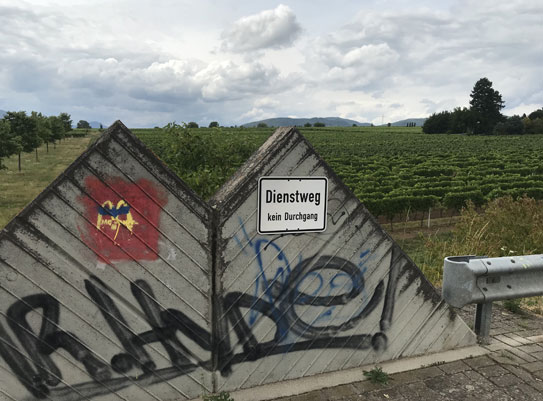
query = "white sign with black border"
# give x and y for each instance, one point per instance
(290, 205)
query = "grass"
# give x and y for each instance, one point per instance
(377, 375)
(17, 189)
(223, 396)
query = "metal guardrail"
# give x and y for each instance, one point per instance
(482, 280)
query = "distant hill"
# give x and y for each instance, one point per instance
(289, 122)
(403, 123)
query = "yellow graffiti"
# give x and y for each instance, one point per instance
(113, 221)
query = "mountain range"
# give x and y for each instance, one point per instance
(289, 122)
(328, 121)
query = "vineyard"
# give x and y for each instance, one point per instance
(398, 170)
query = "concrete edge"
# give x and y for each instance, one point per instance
(293, 387)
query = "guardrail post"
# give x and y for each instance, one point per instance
(483, 316)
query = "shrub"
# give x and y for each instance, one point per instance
(507, 226)
(201, 160)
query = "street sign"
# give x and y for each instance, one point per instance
(292, 204)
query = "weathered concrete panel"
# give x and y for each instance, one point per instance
(289, 306)
(118, 282)
(106, 283)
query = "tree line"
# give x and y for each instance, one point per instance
(484, 116)
(20, 132)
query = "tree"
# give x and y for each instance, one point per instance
(511, 126)
(437, 123)
(262, 125)
(66, 121)
(486, 104)
(83, 124)
(307, 125)
(461, 121)
(24, 127)
(319, 124)
(214, 124)
(536, 114)
(192, 124)
(43, 129)
(9, 143)
(57, 128)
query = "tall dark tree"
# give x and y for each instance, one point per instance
(486, 104)
(214, 124)
(66, 121)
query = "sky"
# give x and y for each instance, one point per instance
(151, 62)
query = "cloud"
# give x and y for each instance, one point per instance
(269, 29)
(402, 62)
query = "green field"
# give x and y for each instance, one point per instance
(395, 170)
(18, 188)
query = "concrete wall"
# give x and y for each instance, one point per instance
(105, 283)
(118, 282)
(298, 305)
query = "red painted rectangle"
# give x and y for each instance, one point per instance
(124, 218)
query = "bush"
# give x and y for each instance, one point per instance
(201, 160)
(437, 123)
(533, 126)
(506, 227)
(511, 126)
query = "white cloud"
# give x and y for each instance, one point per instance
(393, 58)
(273, 29)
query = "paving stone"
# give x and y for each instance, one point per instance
(506, 380)
(534, 366)
(531, 348)
(366, 386)
(497, 346)
(537, 383)
(339, 392)
(454, 367)
(538, 374)
(530, 393)
(478, 380)
(538, 355)
(419, 391)
(449, 384)
(518, 336)
(519, 372)
(479, 362)
(522, 355)
(312, 396)
(506, 357)
(492, 371)
(508, 341)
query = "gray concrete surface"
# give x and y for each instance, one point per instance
(118, 282)
(512, 370)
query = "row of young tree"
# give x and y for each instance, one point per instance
(484, 116)
(20, 132)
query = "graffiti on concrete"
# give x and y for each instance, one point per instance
(115, 217)
(122, 218)
(36, 370)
